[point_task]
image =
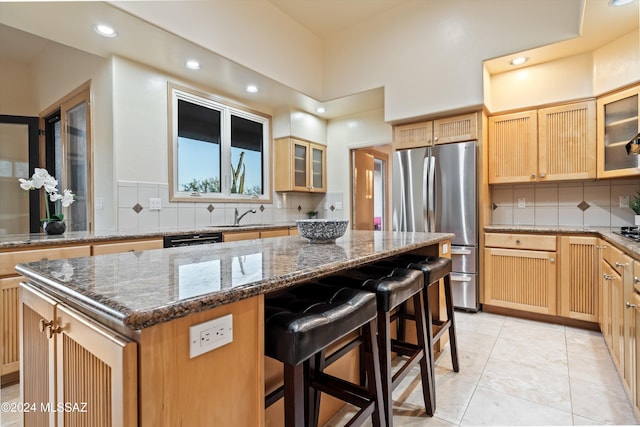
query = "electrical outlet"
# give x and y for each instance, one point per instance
(522, 202)
(210, 335)
(155, 204)
(624, 201)
(445, 248)
(99, 203)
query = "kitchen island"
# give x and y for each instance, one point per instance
(127, 317)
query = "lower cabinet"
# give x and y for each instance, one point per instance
(517, 277)
(75, 372)
(577, 279)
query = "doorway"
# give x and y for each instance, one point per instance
(369, 177)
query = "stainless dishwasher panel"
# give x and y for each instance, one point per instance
(464, 259)
(465, 291)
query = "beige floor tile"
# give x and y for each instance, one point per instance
(532, 352)
(548, 385)
(607, 405)
(470, 364)
(488, 324)
(475, 342)
(583, 421)
(491, 408)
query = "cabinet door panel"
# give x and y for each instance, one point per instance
(522, 280)
(456, 129)
(412, 135)
(9, 324)
(95, 366)
(578, 278)
(37, 376)
(8, 260)
(513, 147)
(120, 247)
(567, 142)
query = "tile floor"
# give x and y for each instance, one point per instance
(516, 372)
(512, 372)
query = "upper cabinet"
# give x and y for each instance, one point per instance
(618, 122)
(300, 166)
(441, 131)
(551, 144)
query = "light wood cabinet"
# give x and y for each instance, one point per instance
(279, 232)
(520, 279)
(441, 131)
(235, 236)
(578, 279)
(618, 122)
(9, 300)
(126, 246)
(240, 235)
(300, 166)
(73, 363)
(549, 144)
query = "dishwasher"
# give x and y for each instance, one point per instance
(191, 239)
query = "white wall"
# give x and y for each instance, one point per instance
(18, 94)
(287, 122)
(343, 134)
(617, 63)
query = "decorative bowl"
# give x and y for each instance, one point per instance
(322, 230)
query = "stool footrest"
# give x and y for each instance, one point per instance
(404, 348)
(340, 389)
(343, 350)
(404, 370)
(274, 396)
(442, 328)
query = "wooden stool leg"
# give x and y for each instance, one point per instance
(373, 374)
(294, 395)
(452, 326)
(316, 364)
(384, 349)
(401, 322)
(426, 363)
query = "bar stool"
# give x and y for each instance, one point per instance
(433, 268)
(392, 288)
(302, 322)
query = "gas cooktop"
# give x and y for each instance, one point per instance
(632, 233)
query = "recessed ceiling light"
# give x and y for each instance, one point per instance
(619, 2)
(192, 64)
(320, 110)
(519, 61)
(252, 88)
(104, 30)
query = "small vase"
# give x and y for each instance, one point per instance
(54, 227)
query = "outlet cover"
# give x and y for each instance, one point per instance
(624, 201)
(155, 204)
(210, 335)
(522, 202)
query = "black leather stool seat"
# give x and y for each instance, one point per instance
(301, 321)
(434, 268)
(392, 287)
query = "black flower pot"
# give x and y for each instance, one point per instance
(54, 227)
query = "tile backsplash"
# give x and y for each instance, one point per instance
(582, 204)
(286, 208)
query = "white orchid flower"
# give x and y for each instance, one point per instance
(39, 177)
(26, 184)
(67, 198)
(54, 197)
(50, 185)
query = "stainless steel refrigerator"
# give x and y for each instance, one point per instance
(434, 190)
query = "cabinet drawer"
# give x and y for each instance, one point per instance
(8, 260)
(615, 258)
(279, 232)
(520, 241)
(120, 247)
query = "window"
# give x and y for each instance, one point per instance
(218, 152)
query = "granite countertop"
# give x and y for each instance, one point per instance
(607, 233)
(19, 241)
(135, 290)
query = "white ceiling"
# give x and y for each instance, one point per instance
(601, 24)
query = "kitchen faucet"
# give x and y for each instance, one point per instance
(236, 218)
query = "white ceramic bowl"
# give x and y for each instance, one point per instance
(322, 230)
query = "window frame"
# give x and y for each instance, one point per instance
(227, 109)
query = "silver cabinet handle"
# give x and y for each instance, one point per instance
(619, 264)
(542, 175)
(458, 278)
(636, 280)
(608, 277)
(460, 251)
(629, 305)
(533, 175)
(552, 259)
(517, 242)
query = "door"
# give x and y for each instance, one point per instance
(454, 189)
(18, 158)
(363, 216)
(369, 188)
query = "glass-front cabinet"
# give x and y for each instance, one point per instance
(618, 122)
(300, 166)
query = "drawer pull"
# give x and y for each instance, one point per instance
(517, 242)
(636, 280)
(552, 260)
(458, 278)
(53, 331)
(460, 251)
(619, 264)
(608, 277)
(629, 305)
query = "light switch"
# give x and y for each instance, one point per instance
(99, 203)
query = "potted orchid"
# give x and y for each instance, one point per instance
(52, 224)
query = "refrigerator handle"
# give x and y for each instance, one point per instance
(425, 191)
(432, 195)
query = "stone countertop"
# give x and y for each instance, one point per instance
(607, 233)
(21, 241)
(135, 290)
